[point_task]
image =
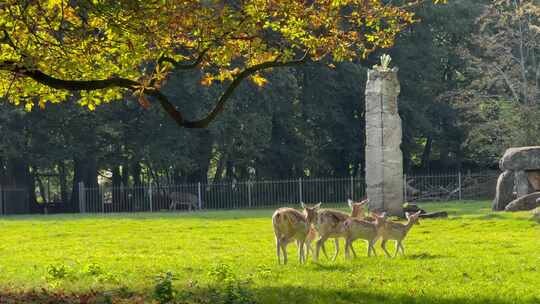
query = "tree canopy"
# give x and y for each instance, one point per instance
(101, 49)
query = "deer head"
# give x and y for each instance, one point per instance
(357, 207)
(310, 212)
(413, 218)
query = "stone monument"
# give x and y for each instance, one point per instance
(384, 159)
(518, 186)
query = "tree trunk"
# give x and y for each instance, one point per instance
(426, 155)
(83, 171)
(63, 182)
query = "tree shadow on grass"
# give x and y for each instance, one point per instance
(423, 256)
(298, 294)
(330, 267)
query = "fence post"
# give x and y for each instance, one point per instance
(150, 197)
(405, 187)
(82, 198)
(1, 200)
(300, 189)
(101, 193)
(249, 193)
(459, 183)
(199, 196)
(352, 187)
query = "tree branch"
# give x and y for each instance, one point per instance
(220, 105)
(183, 66)
(90, 85)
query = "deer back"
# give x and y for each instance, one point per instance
(356, 228)
(183, 197)
(289, 222)
(330, 222)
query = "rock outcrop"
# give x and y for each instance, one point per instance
(520, 177)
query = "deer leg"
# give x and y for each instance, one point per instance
(302, 252)
(371, 248)
(278, 247)
(401, 247)
(397, 248)
(347, 246)
(308, 249)
(284, 250)
(383, 246)
(324, 251)
(336, 243)
(320, 243)
(353, 252)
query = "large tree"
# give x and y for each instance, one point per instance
(499, 95)
(103, 48)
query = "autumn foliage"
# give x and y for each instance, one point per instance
(101, 49)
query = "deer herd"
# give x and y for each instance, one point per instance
(319, 225)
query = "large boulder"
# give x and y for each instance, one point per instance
(527, 202)
(536, 214)
(534, 179)
(504, 195)
(521, 158)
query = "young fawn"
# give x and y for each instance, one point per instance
(356, 228)
(329, 224)
(396, 231)
(290, 224)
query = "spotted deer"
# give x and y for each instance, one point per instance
(329, 224)
(290, 224)
(396, 231)
(183, 198)
(358, 228)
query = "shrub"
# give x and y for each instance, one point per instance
(163, 290)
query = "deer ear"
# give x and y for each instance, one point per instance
(407, 215)
(317, 206)
(302, 204)
(350, 202)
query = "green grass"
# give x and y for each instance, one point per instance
(474, 256)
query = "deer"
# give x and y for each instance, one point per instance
(396, 231)
(329, 224)
(358, 228)
(290, 224)
(183, 198)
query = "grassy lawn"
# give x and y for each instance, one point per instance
(474, 256)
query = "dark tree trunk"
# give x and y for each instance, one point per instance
(84, 171)
(203, 155)
(136, 173)
(116, 184)
(219, 169)
(63, 182)
(426, 155)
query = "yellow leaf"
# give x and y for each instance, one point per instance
(28, 106)
(259, 80)
(207, 80)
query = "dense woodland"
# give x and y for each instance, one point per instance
(469, 89)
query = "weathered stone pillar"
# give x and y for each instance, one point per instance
(384, 159)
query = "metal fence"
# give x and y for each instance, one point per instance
(14, 201)
(266, 194)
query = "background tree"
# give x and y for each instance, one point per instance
(500, 86)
